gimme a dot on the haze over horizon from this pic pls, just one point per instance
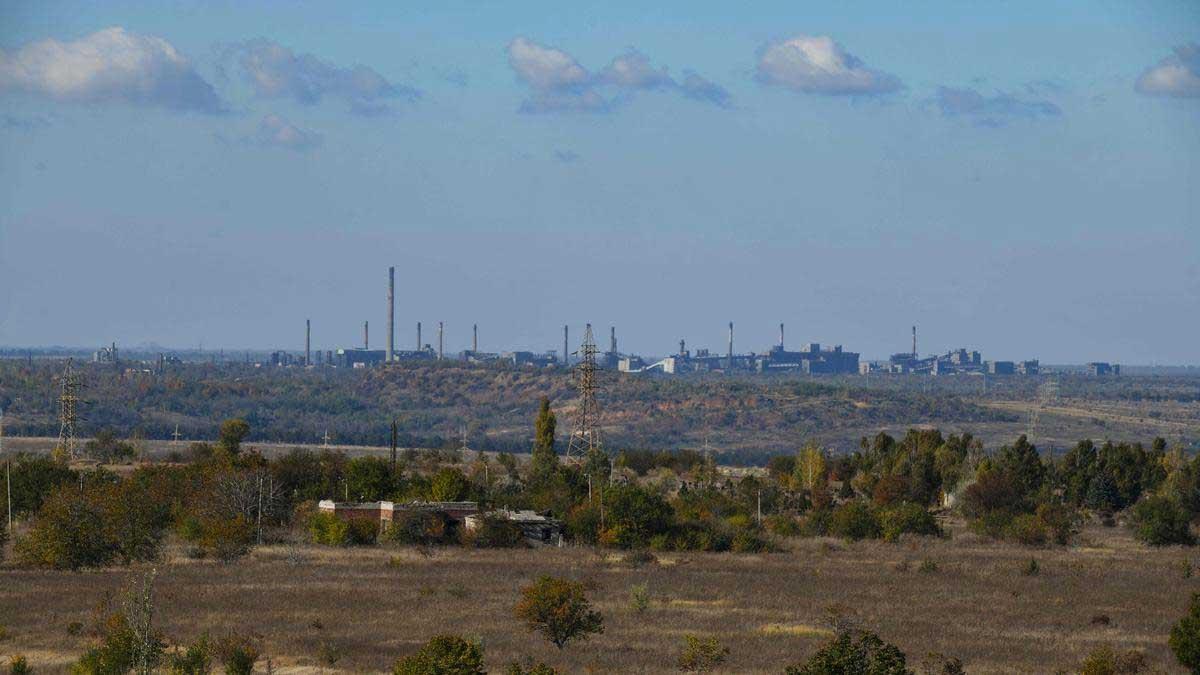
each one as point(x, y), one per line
point(1021, 180)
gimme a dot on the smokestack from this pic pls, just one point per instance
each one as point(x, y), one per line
point(566, 354)
point(474, 338)
point(391, 346)
point(441, 332)
point(419, 345)
point(307, 341)
point(914, 342)
point(780, 337)
point(612, 340)
point(366, 335)
point(731, 345)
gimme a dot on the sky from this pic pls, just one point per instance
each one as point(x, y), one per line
point(1021, 178)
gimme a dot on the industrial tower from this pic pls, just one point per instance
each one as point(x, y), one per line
point(68, 403)
point(585, 437)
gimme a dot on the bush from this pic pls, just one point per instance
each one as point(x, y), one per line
point(17, 665)
point(1159, 521)
point(238, 653)
point(420, 528)
point(362, 531)
point(223, 538)
point(1061, 521)
point(854, 652)
point(328, 530)
point(783, 525)
point(854, 521)
point(195, 660)
point(701, 655)
point(493, 532)
point(1027, 529)
point(1185, 636)
point(559, 610)
point(443, 655)
point(639, 597)
point(1031, 568)
point(908, 518)
point(1108, 661)
point(530, 668)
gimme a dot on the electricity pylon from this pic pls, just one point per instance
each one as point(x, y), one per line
point(68, 413)
point(585, 437)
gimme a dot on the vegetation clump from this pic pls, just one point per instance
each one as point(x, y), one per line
point(559, 610)
point(854, 651)
point(443, 655)
point(701, 655)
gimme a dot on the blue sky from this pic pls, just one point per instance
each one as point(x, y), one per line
point(1020, 178)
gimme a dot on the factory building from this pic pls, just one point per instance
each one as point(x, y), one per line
point(811, 359)
point(1102, 369)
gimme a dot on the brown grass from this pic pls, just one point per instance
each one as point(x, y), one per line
point(377, 604)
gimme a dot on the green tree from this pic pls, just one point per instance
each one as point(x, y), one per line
point(700, 655)
point(1159, 521)
point(559, 610)
point(544, 459)
point(443, 655)
point(233, 432)
point(1185, 637)
point(69, 532)
point(854, 653)
point(810, 466)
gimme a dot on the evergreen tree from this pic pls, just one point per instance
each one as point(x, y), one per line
point(544, 459)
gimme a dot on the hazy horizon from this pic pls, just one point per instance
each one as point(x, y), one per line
point(1017, 180)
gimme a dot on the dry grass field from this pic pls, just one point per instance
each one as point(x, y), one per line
point(376, 604)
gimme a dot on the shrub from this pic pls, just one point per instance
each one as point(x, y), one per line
point(223, 538)
point(748, 540)
point(1061, 521)
point(1027, 529)
point(1107, 661)
point(494, 532)
point(69, 532)
point(328, 530)
point(443, 655)
point(639, 597)
point(783, 525)
point(238, 653)
point(17, 665)
point(1031, 568)
point(854, 521)
point(420, 528)
point(559, 610)
point(928, 566)
point(854, 651)
point(907, 518)
point(701, 655)
point(993, 524)
point(530, 668)
point(940, 664)
point(1185, 636)
point(195, 660)
point(362, 531)
point(1159, 521)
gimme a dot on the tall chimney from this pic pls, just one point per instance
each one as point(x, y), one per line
point(474, 338)
point(566, 354)
point(612, 340)
point(731, 345)
point(419, 345)
point(307, 341)
point(441, 332)
point(682, 347)
point(366, 335)
point(391, 346)
point(914, 342)
point(780, 337)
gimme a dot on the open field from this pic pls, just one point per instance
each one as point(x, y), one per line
point(769, 609)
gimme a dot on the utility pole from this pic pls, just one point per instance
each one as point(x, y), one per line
point(394, 438)
point(7, 472)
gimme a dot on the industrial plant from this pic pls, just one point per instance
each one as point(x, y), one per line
point(810, 359)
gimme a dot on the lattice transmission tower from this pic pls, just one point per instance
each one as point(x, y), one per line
point(585, 437)
point(68, 412)
point(1047, 395)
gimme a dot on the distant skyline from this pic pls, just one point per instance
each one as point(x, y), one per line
point(1019, 178)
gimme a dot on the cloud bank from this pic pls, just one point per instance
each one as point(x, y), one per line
point(109, 66)
point(991, 111)
point(1176, 76)
point(818, 65)
point(274, 71)
point(558, 83)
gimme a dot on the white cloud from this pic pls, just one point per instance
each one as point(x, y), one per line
point(633, 70)
point(558, 83)
point(818, 65)
point(274, 71)
point(1178, 75)
point(274, 131)
point(109, 66)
